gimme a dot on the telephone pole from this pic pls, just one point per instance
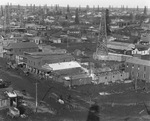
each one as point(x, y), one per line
point(36, 103)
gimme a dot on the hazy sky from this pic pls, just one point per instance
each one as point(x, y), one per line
point(76, 3)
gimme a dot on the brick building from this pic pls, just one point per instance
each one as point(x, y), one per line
point(138, 68)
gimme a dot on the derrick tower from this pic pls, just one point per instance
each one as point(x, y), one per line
point(6, 15)
point(101, 49)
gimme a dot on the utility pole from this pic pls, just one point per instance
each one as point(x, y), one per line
point(36, 104)
point(135, 84)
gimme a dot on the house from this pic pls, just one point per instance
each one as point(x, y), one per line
point(4, 100)
point(138, 68)
point(8, 98)
point(141, 49)
point(145, 39)
point(4, 43)
point(55, 40)
point(37, 40)
point(15, 49)
point(146, 26)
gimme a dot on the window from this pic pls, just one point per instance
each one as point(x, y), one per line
point(144, 75)
point(132, 73)
point(137, 74)
point(138, 67)
point(144, 68)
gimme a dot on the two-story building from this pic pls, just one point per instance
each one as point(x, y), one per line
point(138, 69)
point(15, 49)
point(34, 61)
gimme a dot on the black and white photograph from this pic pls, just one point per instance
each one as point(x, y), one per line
point(74, 60)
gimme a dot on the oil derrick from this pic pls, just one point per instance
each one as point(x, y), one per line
point(18, 9)
point(6, 16)
point(137, 9)
point(77, 17)
point(87, 8)
point(79, 8)
point(2, 11)
point(98, 8)
point(145, 10)
point(31, 8)
point(34, 8)
point(68, 9)
point(101, 49)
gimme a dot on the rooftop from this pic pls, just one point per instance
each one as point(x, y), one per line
point(62, 65)
point(22, 45)
point(138, 61)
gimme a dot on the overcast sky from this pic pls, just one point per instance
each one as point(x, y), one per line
point(76, 3)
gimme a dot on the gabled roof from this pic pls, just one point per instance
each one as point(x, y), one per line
point(22, 45)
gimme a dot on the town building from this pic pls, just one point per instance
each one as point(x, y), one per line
point(145, 39)
point(112, 76)
point(120, 46)
point(35, 61)
point(138, 69)
point(4, 101)
point(15, 49)
point(8, 98)
point(141, 49)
